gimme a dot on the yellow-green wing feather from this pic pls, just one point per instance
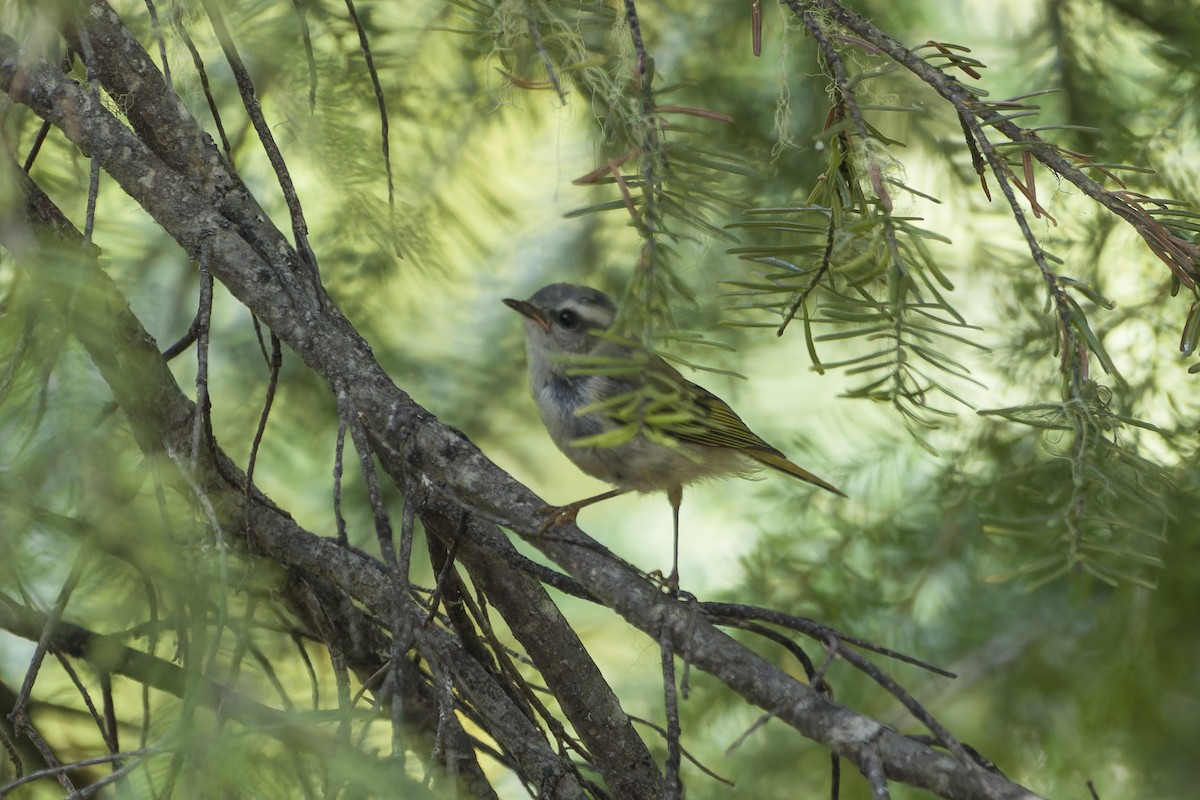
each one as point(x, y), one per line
point(715, 424)
point(774, 459)
point(719, 425)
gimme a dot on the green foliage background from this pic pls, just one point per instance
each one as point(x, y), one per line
point(958, 550)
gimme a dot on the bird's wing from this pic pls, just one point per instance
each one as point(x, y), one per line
point(715, 424)
point(711, 421)
point(719, 425)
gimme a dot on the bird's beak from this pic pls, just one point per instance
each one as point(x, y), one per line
point(529, 310)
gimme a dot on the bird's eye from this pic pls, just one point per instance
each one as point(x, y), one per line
point(568, 319)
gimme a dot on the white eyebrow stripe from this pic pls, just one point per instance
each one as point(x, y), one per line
point(591, 314)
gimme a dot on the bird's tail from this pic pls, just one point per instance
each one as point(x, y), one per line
point(780, 463)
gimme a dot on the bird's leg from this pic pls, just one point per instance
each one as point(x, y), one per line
point(675, 496)
point(559, 515)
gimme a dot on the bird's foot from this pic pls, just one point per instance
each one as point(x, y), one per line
point(556, 515)
point(669, 585)
point(561, 515)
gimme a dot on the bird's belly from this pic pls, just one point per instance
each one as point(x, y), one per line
point(645, 466)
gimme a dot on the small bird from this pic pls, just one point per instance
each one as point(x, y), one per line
point(663, 431)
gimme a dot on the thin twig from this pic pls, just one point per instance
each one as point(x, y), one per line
point(383, 523)
point(89, 62)
point(36, 147)
point(185, 341)
point(365, 46)
point(730, 613)
point(19, 715)
point(55, 771)
point(202, 422)
point(408, 515)
point(89, 704)
point(162, 45)
point(14, 758)
point(202, 73)
point(398, 673)
point(306, 37)
point(909, 702)
point(762, 720)
point(672, 787)
point(111, 732)
point(540, 46)
point(826, 261)
point(254, 111)
point(338, 470)
point(445, 575)
point(661, 731)
point(274, 365)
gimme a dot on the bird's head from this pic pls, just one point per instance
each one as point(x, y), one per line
point(560, 318)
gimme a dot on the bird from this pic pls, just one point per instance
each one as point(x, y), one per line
point(626, 416)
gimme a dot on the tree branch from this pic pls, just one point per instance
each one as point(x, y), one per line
point(1180, 256)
